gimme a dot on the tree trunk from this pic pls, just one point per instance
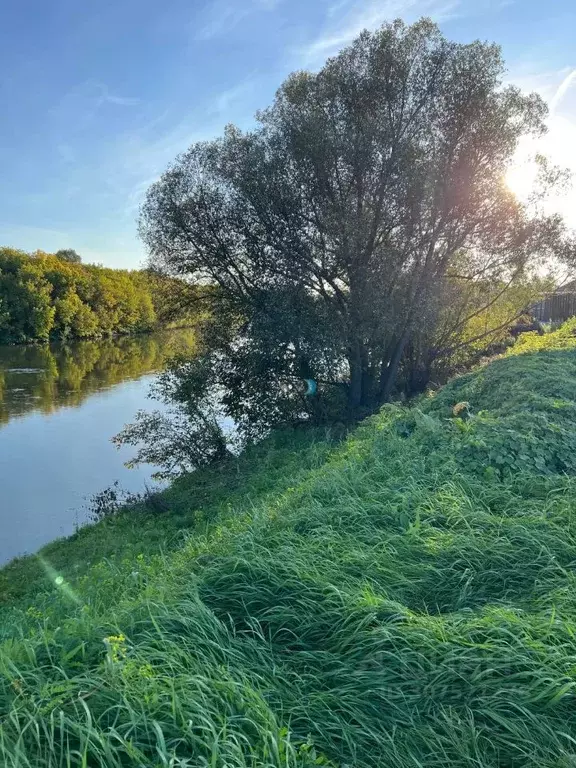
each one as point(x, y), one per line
point(358, 355)
point(356, 377)
point(419, 379)
point(367, 380)
point(390, 373)
point(418, 365)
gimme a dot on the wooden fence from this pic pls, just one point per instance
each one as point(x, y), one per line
point(555, 308)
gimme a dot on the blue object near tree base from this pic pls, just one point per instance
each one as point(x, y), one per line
point(312, 387)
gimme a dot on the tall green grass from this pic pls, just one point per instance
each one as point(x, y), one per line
point(405, 598)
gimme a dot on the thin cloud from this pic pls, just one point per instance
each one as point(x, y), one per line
point(141, 158)
point(543, 81)
point(224, 15)
point(562, 90)
point(225, 101)
point(369, 14)
point(223, 18)
point(80, 106)
point(107, 97)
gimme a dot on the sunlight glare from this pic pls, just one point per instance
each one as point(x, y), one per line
point(521, 177)
point(559, 146)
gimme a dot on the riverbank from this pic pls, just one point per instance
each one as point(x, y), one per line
point(143, 533)
point(46, 343)
point(402, 598)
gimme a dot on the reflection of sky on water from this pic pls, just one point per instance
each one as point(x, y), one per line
point(50, 464)
point(59, 407)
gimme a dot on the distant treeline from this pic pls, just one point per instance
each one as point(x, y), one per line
point(44, 296)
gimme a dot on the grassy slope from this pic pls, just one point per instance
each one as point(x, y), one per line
point(194, 502)
point(404, 599)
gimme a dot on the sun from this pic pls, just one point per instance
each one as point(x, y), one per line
point(521, 177)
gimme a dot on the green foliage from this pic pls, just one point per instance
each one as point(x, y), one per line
point(527, 430)
point(25, 298)
point(490, 308)
point(46, 296)
point(68, 254)
point(397, 599)
point(362, 231)
point(563, 337)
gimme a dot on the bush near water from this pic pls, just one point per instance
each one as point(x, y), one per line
point(404, 597)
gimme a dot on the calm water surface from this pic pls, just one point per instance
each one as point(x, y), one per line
point(59, 407)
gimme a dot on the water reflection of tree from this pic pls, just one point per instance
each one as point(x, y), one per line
point(46, 378)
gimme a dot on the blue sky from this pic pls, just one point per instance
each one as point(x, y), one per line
point(98, 97)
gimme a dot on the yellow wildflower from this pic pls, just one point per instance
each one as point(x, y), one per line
point(116, 647)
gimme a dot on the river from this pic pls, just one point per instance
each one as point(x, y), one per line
point(59, 407)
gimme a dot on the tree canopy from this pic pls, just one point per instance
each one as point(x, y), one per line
point(44, 296)
point(361, 228)
point(68, 254)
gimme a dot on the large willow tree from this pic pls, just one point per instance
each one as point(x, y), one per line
point(334, 231)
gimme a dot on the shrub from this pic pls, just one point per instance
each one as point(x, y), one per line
point(563, 337)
